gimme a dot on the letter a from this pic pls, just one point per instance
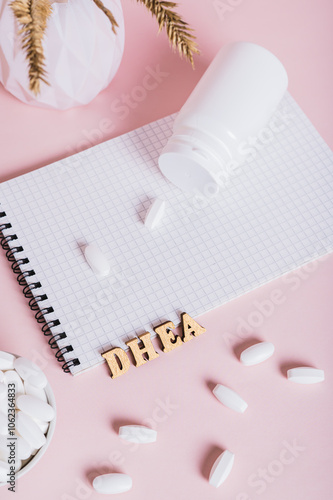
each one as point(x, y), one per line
point(190, 327)
point(117, 360)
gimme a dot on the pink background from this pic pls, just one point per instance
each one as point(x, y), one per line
point(196, 427)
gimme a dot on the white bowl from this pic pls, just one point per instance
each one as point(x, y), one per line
point(35, 459)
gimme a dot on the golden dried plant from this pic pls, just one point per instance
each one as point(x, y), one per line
point(32, 15)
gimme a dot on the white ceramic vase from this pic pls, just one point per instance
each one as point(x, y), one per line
point(82, 53)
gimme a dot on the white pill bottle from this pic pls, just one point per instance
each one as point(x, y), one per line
point(234, 100)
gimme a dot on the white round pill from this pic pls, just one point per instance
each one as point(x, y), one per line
point(97, 260)
point(6, 361)
point(30, 372)
point(257, 353)
point(221, 468)
point(230, 398)
point(155, 214)
point(137, 434)
point(35, 408)
point(110, 484)
point(29, 430)
point(306, 375)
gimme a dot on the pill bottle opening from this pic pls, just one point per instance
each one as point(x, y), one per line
point(189, 174)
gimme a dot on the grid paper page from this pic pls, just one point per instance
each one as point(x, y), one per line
point(270, 218)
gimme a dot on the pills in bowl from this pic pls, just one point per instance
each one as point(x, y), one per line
point(23, 395)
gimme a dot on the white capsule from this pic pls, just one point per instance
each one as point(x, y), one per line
point(137, 434)
point(112, 483)
point(42, 425)
point(29, 430)
point(4, 469)
point(30, 372)
point(35, 408)
point(34, 391)
point(12, 377)
point(6, 361)
point(23, 448)
point(306, 375)
point(3, 391)
point(257, 353)
point(3, 424)
point(230, 398)
point(221, 468)
point(155, 214)
point(97, 260)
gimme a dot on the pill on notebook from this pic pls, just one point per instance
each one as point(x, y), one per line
point(257, 353)
point(137, 434)
point(12, 377)
point(6, 361)
point(30, 372)
point(35, 408)
point(306, 375)
point(155, 213)
point(97, 260)
point(112, 483)
point(29, 430)
point(221, 468)
point(230, 398)
point(34, 391)
point(23, 448)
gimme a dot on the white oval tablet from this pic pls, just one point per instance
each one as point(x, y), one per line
point(29, 430)
point(3, 391)
point(155, 213)
point(137, 434)
point(6, 361)
point(221, 468)
point(97, 260)
point(306, 375)
point(12, 377)
point(257, 353)
point(42, 425)
point(230, 398)
point(35, 408)
point(34, 391)
point(23, 448)
point(3, 424)
point(30, 372)
point(112, 483)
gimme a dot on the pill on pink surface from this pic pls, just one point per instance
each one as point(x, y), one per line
point(257, 353)
point(221, 468)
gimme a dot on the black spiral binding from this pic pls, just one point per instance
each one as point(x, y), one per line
point(35, 301)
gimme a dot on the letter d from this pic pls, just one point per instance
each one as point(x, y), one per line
point(118, 361)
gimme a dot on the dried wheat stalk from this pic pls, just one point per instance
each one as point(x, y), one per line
point(33, 15)
point(178, 31)
point(108, 13)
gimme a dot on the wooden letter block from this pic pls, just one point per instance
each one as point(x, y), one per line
point(139, 352)
point(190, 328)
point(118, 361)
point(168, 339)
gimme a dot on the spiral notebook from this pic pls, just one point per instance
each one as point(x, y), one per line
point(272, 216)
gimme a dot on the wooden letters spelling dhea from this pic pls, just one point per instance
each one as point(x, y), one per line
point(119, 361)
